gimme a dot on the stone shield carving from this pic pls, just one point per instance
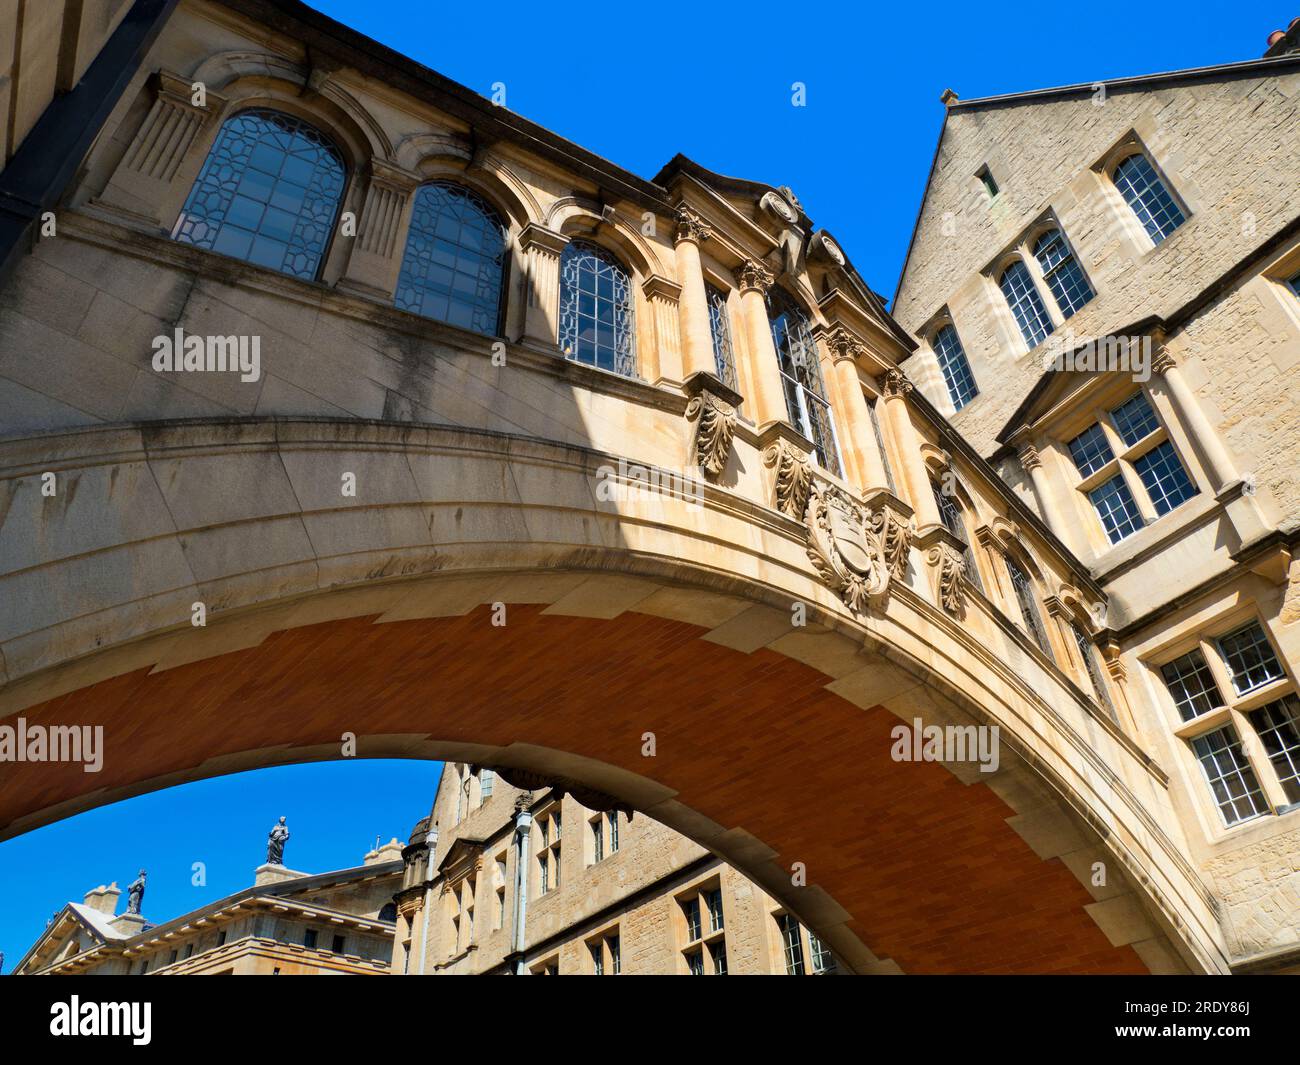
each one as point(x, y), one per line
point(856, 550)
point(717, 425)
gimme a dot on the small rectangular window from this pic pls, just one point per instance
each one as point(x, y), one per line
point(615, 954)
point(1231, 779)
point(1250, 658)
point(986, 178)
point(1165, 479)
point(823, 961)
point(612, 818)
point(691, 911)
point(338, 945)
point(1134, 419)
point(309, 939)
point(713, 899)
point(1192, 685)
point(597, 958)
point(720, 329)
point(695, 962)
point(718, 954)
point(791, 944)
point(1091, 450)
point(1278, 725)
point(1116, 508)
point(597, 840)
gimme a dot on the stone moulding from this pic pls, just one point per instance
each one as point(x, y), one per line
point(793, 477)
point(713, 408)
point(856, 550)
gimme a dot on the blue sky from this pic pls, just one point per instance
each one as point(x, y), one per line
point(638, 84)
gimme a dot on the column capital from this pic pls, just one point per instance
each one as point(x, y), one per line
point(656, 286)
point(753, 275)
point(842, 343)
point(1029, 458)
point(393, 177)
point(538, 236)
point(1164, 359)
point(688, 225)
point(896, 384)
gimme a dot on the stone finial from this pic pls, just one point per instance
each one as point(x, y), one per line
point(104, 899)
point(948, 96)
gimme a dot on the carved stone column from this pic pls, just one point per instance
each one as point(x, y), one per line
point(542, 249)
point(697, 338)
point(1218, 463)
point(768, 402)
point(141, 187)
point(1032, 463)
point(661, 361)
point(857, 436)
point(916, 477)
point(376, 258)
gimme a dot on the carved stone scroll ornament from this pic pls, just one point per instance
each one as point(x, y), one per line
point(793, 477)
point(952, 571)
point(713, 434)
point(847, 545)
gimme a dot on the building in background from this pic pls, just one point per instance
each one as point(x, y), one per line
point(1105, 283)
point(287, 923)
point(500, 880)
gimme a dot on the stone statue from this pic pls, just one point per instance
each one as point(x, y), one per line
point(135, 893)
point(275, 847)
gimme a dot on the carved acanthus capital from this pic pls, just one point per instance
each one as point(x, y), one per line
point(896, 384)
point(690, 226)
point(714, 431)
point(1028, 455)
point(951, 567)
point(843, 344)
point(1164, 360)
point(793, 477)
point(857, 551)
point(754, 275)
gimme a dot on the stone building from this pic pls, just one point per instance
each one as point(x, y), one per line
point(1105, 283)
point(287, 923)
point(336, 400)
point(535, 882)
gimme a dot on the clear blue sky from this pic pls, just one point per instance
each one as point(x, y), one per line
point(638, 84)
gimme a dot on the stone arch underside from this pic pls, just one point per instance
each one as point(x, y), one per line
point(373, 616)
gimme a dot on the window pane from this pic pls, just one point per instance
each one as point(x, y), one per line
point(1192, 685)
point(1250, 658)
point(1278, 725)
point(1064, 275)
point(792, 944)
point(1091, 450)
point(805, 394)
point(950, 515)
point(954, 366)
point(267, 193)
point(720, 329)
point(718, 952)
point(1166, 481)
point(1232, 781)
point(1027, 599)
point(1147, 195)
point(691, 911)
point(455, 259)
point(597, 321)
point(1025, 303)
point(1115, 507)
point(714, 901)
point(1134, 419)
point(822, 959)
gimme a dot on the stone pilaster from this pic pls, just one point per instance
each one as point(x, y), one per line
point(661, 362)
point(377, 251)
point(696, 335)
point(916, 477)
point(542, 249)
point(857, 437)
point(141, 187)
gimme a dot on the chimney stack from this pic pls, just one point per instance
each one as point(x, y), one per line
point(104, 899)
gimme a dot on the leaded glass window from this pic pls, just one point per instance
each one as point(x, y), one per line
point(1231, 779)
point(268, 193)
point(1090, 665)
point(1165, 479)
point(1192, 685)
point(597, 318)
point(1250, 658)
point(1148, 196)
point(455, 256)
point(1024, 589)
point(720, 329)
point(718, 952)
point(801, 375)
point(1278, 725)
point(954, 367)
point(1025, 303)
point(1116, 508)
point(1064, 275)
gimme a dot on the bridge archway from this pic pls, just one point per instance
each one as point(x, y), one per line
point(374, 615)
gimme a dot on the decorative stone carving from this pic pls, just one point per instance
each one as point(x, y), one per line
point(951, 573)
point(793, 477)
point(276, 839)
point(713, 434)
point(790, 197)
point(135, 893)
point(824, 247)
point(855, 550)
point(776, 204)
point(896, 383)
point(1163, 361)
point(690, 226)
point(1029, 459)
point(754, 275)
point(843, 344)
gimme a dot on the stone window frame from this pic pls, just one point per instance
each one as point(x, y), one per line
point(1120, 213)
point(1233, 714)
point(806, 938)
point(1123, 457)
point(1003, 540)
point(699, 946)
point(928, 334)
point(547, 851)
point(607, 946)
point(939, 465)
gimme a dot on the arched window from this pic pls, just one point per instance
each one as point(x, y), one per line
point(597, 320)
point(1065, 277)
point(455, 256)
point(1027, 599)
point(801, 375)
point(1148, 196)
point(950, 515)
point(720, 330)
point(1025, 303)
point(268, 193)
point(954, 366)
